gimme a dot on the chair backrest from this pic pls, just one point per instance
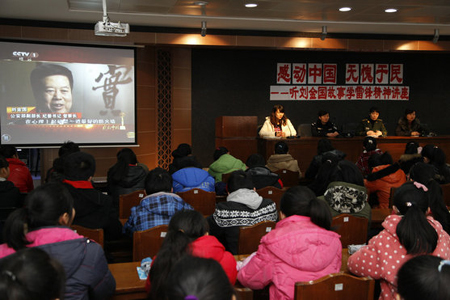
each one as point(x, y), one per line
point(271, 193)
point(200, 200)
point(304, 130)
point(226, 176)
point(446, 193)
point(391, 196)
point(250, 236)
point(147, 243)
point(126, 202)
point(353, 230)
point(336, 286)
point(96, 235)
point(289, 178)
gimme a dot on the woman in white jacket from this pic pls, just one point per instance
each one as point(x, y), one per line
point(277, 125)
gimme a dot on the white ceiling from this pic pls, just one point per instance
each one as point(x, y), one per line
point(414, 17)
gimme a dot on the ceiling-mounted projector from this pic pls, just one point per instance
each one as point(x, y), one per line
point(107, 28)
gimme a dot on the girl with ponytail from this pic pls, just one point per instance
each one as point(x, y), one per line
point(407, 234)
point(300, 248)
point(187, 235)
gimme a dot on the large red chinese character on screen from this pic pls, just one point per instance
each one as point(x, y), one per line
point(352, 73)
point(367, 74)
point(381, 73)
point(396, 74)
point(314, 73)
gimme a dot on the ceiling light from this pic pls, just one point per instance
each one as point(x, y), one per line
point(201, 3)
point(390, 10)
point(343, 9)
point(251, 5)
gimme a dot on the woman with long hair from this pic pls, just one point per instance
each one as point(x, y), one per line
point(277, 124)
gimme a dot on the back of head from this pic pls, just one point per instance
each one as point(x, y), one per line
point(424, 277)
point(68, 148)
point(43, 207)
point(219, 152)
point(79, 166)
point(239, 180)
point(411, 147)
point(346, 171)
point(158, 180)
point(182, 150)
point(414, 231)
point(190, 222)
point(427, 151)
point(370, 143)
point(3, 162)
point(200, 278)
point(126, 156)
point(281, 148)
point(324, 145)
point(300, 200)
point(8, 151)
point(255, 160)
point(31, 274)
point(380, 159)
point(422, 172)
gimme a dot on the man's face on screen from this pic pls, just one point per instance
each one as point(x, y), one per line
point(56, 95)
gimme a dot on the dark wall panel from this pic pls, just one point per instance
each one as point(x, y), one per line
point(237, 82)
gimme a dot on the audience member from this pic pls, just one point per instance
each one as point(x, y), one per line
point(94, 209)
point(323, 127)
point(370, 147)
point(434, 156)
point(198, 278)
point(187, 235)
point(31, 274)
point(324, 146)
point(385, 175)
point(408, 234)
point(190, 176)
point(224, 163)
point(9, 194)
point(424, 277)
point(125, 176)
point(346, 193)
point(47, 213)
point(55, 173)
point(411, 156)
point(19, 173)
point(158, 207)
point(244, 207)
point(409, 125)
point(424, 174)
point(261, 175)
point(372, 126)
point(300, 248)
point(182, 158)
point(283, 160)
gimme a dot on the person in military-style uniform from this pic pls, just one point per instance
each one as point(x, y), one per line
point(372, 126)
point(323, 127)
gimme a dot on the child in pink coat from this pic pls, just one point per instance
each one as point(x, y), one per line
point(300, 248)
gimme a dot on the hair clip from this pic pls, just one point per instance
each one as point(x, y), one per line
point(329, 161)
point(370, 141)
point(442, 263)
point(10, 275)
point(420, 186)
point(190, 297)
point(409, 204)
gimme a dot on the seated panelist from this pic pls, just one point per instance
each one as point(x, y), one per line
point(409, 125)
point(277, 124)
point(323, 127)
point(372, 126)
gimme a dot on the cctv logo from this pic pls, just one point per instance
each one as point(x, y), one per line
point(25, 55)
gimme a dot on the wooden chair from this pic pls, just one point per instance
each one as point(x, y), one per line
point(147, 243)
point(200, 200)
point(336, 286)
point(226, 176)
point(126, 202)
point(250, 236)
point(96, 235)
point(271, 193)
point(288, 177)
point(353, 230)
point(446, 193)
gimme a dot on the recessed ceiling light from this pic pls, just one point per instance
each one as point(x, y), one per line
point(390, 10)
point(345, 9)
point(251, 5)
point(201, 3)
